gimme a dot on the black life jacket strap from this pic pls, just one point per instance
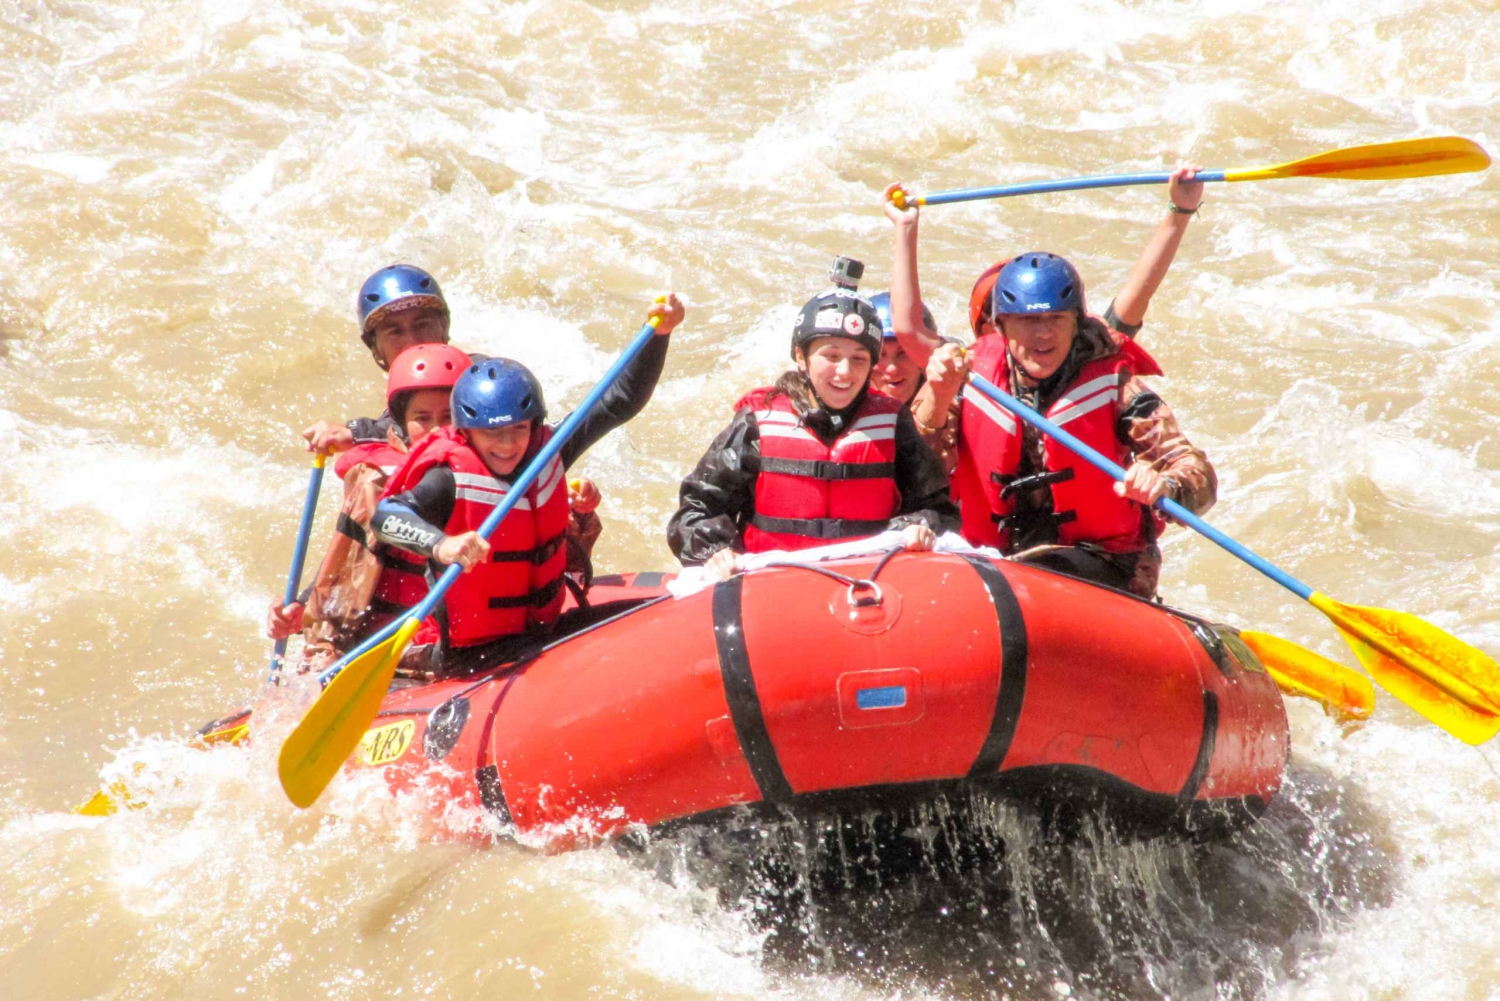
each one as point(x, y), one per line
point(823, 470)
point(819, 528)
point(536, 556)
point(1016, 484)
point(539, 598)
point(1029, 518)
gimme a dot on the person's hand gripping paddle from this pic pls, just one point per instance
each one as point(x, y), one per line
point(356, 685)
point(1453, 684)
point(1389, 161)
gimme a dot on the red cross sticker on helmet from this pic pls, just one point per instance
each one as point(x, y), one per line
point(854, 324)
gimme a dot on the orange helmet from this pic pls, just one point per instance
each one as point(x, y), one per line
point(979, 299)
point(422, 366)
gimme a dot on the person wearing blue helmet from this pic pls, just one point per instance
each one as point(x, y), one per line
point(398, 306)
point(1019, 490)
point(511, 591)
point(401, 305)
point(931, 394)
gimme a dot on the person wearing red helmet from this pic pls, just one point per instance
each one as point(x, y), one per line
point(1019, 490)
point(357, 583)
point(510, 596)
point(359, 586)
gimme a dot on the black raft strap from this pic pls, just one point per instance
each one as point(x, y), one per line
point(821, 470)
point(819, 528)
point(536, 599)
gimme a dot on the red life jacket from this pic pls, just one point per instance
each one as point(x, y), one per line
point(519, 586)
point(1084, 503)
point(379, 454)
point(808, 492)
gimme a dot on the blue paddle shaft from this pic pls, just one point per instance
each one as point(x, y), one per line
point(1063, 184)
point(1165, 504)
point(299, 556)
point(512, 497)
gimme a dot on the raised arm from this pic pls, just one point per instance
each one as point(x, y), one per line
point(1145, 278)
point(906, 293)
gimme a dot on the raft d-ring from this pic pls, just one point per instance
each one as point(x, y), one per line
point(869, 601)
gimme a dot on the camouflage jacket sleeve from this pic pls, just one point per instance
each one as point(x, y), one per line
point(943, 437)
point(1149, 428)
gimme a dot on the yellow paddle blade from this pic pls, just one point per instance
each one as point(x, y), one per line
point(333, 727)
point(1451, 683)
point(1345, 693)
point(1379, 161)
point(105, 802)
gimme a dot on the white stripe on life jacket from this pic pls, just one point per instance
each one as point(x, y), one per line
point(479, 481)
point(1078, 394)
point(770, 430)
point(490, 490)
point(549, 480)
point(1101, 399)
point(987, 407)
point(874, 421)
point(488, 498)
point(869, 434)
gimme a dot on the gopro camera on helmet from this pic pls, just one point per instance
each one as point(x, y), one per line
point(846, 272)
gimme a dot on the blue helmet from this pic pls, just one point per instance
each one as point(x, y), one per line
point(882, 303)
point(1037, 283)
point(399, 283)
point(496, 392)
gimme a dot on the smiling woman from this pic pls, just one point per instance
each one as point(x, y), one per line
point(195, 189)
point(816, 457)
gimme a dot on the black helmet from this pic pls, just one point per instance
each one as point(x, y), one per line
point(839, 312)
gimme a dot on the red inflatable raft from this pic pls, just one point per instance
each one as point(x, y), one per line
point(786, 684)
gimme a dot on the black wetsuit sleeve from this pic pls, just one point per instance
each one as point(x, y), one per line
point(626, 397)
point(717, 499)
point(1113, 321)
point(411, 519)
point(370, 428)
point(922, 481)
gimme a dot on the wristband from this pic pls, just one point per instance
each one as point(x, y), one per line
point(1176, 209)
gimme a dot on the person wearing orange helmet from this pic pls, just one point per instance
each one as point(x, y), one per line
point(357, 582)
point(360, 585)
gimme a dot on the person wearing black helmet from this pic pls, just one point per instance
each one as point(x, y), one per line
point(816, 458)
point(1019, 490)
point(511, 592)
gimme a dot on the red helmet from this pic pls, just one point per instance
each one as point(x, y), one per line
point(979, 299)
point(422, 366)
